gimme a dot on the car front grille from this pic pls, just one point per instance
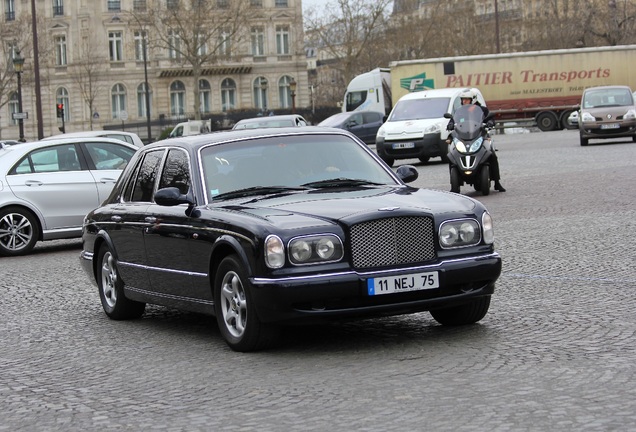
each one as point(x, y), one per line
point(392, 241)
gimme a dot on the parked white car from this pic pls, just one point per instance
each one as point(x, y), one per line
point(48, 186)
point(129, 137)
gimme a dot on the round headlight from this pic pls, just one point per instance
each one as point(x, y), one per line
point(467, 232)
point(274, 252)
point(300, 250)
point(448, 235)
point(325, 248)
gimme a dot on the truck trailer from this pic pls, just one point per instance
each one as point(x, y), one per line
point(540, 87)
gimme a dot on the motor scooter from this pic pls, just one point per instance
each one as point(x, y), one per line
point(470, 148)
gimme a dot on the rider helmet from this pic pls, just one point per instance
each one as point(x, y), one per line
point(468, 94)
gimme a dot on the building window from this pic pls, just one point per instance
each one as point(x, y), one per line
point(114, 5)
point(256, 3)
point(284, 92)
point(60, 50)
point(280, 3)
point(228, 94)
point(172, 4)
point(202, 48)
point(177, 99)
point(14, 107)
point(222, 3)
point(225, 47)
point(174, 45)
point(9, 10)
point(282, 40)
point(115, 43)
point(204, 96)
point(141, 100)
point(258, 41)
point(118, 99)
point(58, 7)
point(61, 97)
point(139, 5)
point(140, 36)
point(260, 93)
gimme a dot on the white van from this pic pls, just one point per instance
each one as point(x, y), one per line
point(129, 137)
point(191, 127)
point(416, 127)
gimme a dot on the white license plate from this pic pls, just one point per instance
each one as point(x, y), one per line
point(402, 283)
point(404, 145)
point(610, 126)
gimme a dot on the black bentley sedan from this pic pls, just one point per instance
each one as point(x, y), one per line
point(264, 228)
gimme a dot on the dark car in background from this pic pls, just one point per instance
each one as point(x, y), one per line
point(363, 124)
point(272, 121)
point(281, 226)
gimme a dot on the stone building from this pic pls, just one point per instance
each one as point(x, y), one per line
point(91, 60)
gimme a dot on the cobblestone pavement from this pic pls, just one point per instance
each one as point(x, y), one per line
point(555, 352)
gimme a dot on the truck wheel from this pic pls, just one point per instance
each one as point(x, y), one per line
point(584, 141)
point(484, 180)
point(547, 121)
point(454, 179)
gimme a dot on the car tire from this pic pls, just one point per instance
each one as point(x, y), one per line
point(389, 161)
point(484, 180)
point(633, 138)
point(547, 121)
point(19, 231)
point(468, 313)
point(424, 160)
point(454, 179)
point(236, 312)
point(111, 289)
point(584, 141)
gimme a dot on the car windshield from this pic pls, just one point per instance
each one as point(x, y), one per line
point(334, 120)
point(289, 163)
point(607, 98)
point(417, 109)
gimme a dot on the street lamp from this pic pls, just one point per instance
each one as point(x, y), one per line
point(292, 88)
point(18, 64)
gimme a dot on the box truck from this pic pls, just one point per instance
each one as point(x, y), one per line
point(542, 87)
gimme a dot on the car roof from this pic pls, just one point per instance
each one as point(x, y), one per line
point(609, 87)
point(96, 133)
point(435, 93)
point(194, 141)
point(270, 118)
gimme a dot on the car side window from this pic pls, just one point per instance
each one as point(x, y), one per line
point(176, 171)
point(370, 117)
point(146, 175)
point(108, 156)
point(51, 159)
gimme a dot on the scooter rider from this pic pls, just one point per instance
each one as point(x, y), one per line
point(469, 97)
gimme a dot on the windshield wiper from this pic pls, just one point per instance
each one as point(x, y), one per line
point(339, 182)
point(256, 190)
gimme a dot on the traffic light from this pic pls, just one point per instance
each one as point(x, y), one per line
point(60, 110)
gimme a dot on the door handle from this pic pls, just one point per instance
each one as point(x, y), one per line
point(33, 183)
point(150, 219)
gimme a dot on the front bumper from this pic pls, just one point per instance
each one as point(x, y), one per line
point(430, 145)
point(344, 295)
point(596, 130)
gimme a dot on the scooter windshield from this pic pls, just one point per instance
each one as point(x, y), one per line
point(468, 122)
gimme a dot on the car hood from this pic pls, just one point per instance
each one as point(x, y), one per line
point(326, 207)
point(413, 128)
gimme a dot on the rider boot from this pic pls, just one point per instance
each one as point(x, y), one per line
point(499, 187)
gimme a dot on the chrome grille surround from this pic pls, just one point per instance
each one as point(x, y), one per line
point(392, 241)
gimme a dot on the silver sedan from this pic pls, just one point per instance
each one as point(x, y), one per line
point(47, 187)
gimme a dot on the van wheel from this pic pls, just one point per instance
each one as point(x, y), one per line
point(389, 161)
point(584, 141)
point(424, 159)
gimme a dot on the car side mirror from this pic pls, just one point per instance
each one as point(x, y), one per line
point(172, 196)
point(448, 115)
point(407, 173)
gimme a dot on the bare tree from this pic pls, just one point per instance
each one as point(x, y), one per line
point(87, 71)
point(614, 22)
point(197, 33)
point(348, 31)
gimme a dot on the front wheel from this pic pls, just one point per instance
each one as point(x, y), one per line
point(111, 289)
point(235, 310)
point(454, 179)
point(468, 313)
point(424, 159)
point(484, 180)
point(19, 231)
point(389, 161)
point(584, 141)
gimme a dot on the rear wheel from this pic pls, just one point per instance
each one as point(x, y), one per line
point(468, 313)
point(19, 231)
point(235, 310)
point(484, 180)
point(547, 121)
point(111, 289)
point(454, 179)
